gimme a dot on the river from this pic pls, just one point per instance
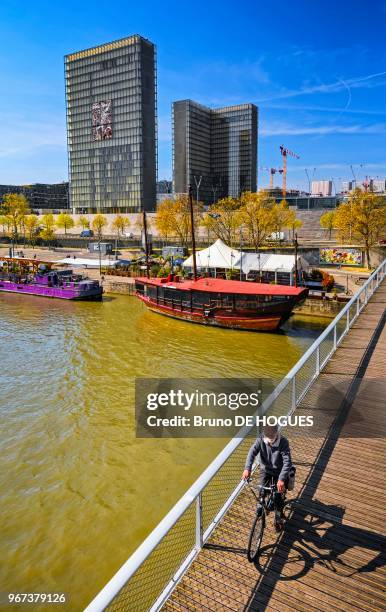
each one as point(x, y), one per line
point(78, 491)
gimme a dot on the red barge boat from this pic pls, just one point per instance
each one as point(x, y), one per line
point(223, 303)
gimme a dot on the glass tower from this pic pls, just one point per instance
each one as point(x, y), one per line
point(215, 148)
point(111, 127)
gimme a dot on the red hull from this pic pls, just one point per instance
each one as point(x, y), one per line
point(263, 322)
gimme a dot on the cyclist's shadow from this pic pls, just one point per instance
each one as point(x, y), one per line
point(315, 534)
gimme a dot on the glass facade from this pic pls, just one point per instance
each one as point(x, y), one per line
point(111, 127)
point(219, 145)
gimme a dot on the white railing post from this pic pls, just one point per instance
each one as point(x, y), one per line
point(293, 402)
point(347, 320)
point(199, 531)
point(318, 359)
point(335, 338)
point(358, 300)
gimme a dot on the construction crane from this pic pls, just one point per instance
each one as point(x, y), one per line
point(272, 172)
point(284, 153)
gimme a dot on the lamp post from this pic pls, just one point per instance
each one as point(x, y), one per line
point(198, 183)
point(296, 259)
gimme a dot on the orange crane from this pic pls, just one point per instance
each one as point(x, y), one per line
point(284, 153)
point(272, 172)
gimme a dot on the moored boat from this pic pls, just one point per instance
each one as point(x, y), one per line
point(223, 303)
point(34, 277)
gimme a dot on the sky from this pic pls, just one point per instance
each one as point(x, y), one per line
point(316, 70)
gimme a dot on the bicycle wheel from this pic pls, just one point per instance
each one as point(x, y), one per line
point(255, 537)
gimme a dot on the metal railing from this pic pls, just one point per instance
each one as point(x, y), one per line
point(149, 576)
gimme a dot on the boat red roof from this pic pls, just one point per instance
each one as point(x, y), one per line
point(218, 285)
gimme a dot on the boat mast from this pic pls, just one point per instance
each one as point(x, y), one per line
point(146, 244)
point(296, 259)
point(192, 230)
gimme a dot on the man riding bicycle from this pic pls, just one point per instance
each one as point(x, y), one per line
point(274, 457)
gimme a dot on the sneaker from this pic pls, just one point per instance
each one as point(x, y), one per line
point(259, 510)
point(279, 521)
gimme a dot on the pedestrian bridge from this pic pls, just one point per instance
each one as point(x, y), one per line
point(331, 553)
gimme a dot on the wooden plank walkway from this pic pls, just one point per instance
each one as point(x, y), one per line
point(331, 554)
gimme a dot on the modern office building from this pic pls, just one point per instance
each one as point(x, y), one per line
point(321, 188)
point(111, 126)
point(41, 196)
point(214, 150)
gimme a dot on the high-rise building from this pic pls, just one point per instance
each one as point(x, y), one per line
point(111, 126)
point(214, 150)
point(322, 188)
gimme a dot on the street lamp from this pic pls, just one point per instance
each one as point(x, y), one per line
point(198, 183)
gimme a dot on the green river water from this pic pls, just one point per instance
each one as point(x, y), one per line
point(78, 491)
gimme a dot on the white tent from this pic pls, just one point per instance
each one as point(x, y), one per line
point(218, 255)
point(273, 266)
point(271, 262)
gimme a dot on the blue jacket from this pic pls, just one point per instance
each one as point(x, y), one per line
point(273, 459)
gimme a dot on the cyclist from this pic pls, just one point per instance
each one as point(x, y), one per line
point(274, 457)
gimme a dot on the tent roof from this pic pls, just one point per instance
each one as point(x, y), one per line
point(220, 255)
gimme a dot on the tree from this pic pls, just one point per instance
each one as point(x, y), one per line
point(65, 221)
point(164, 219)
point(280, 217)
point(173, 219)
point(365, 216)
point(48, 223)
point(224, 220)
point(31, 223)
point(327, 222)
point(256, 215)
point(6, 223)
point(15, 207)
point(293, 223)
point(119, 224)
point(98, 223)
point(84, 222)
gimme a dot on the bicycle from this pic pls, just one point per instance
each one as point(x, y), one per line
point(267, 505)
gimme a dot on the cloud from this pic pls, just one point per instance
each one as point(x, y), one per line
point(339, 85)
point(286, 129)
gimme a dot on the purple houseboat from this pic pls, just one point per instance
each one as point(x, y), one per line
point(33, 277)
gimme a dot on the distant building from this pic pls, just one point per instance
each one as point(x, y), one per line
point(378, 185)
point(348, 186)
point(214, 150)
point(41, 196)
point(321, 188)
point(164, 186)
point(111, 126)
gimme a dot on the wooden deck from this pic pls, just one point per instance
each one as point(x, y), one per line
point(332, 552)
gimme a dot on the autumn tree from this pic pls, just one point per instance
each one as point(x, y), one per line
point(15, 207)
point(48, 223)
point(256, 215)
point(119, 225)
point(224, 219)
point(293, 224)
point(99, 222)
point(365, 214)
point(327, 222)
point(31, 224)
point(164, 219)
point(65, 221)
point(84, 222)
point(280, 218)
point(173, 219)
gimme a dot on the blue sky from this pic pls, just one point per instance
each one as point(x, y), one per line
point(317, 71)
